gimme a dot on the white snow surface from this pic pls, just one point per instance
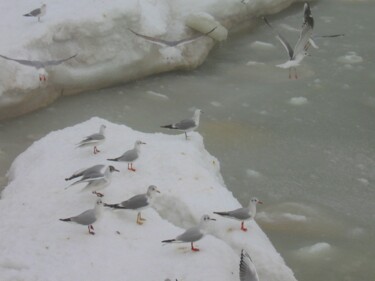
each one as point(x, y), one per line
point(35, 245)
point(108, 53)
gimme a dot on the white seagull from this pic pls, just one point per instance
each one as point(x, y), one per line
point(94, 139)
point(297, 54)
point(137, 203)
point(40, 12)
point(192, 234)
point(186, 125)
point(243, 214)
point(40, 65)
point(247, 268)
point(87, 217)
point(95, 177)
point(130, 156)
point(166, 43)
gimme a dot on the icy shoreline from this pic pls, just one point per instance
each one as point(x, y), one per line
point(108, 54)
point(37, 246)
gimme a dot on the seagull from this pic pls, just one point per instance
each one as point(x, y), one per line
point(138, 202)
point(186, 125)
point(40, 65)
point(40, 12)
point(94, 139)
point(297, 54)
point(95, 177)
point(87, 217)
point(165, 43)
point(130, 156)
point(242, 214)
point(192, 234)
point(247, 268)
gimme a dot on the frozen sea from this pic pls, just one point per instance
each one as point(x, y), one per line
point(302, 146)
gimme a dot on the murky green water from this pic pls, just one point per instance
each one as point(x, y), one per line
point(305, 147)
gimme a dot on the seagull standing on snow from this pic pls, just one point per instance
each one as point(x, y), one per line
point(137, 203)
point(297, 54)
point(40, 12)
point(192, 234)
point(242, 214)
point(94, 139)
point(39, 65)
point(166, 43)
point(88, 217)
point(247, 268)
point(130, 156)
point(95, 177)
point(186, 125)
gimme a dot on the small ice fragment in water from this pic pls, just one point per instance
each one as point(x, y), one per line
point(216, 104)
point(350, 57)
point(152, 93)
point(252, 173)
point(298, 101)
point(254, 63)
point(259, 45)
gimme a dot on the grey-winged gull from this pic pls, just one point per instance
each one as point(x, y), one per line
point(38, 13)
point(130, 156)
point(94, 139)
point(247, 268)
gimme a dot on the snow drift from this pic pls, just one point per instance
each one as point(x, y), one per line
point(35, 245)
point(108, 53)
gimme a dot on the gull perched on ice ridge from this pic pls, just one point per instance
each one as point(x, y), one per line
point(247, 268)
point(40, 12)
point(137, 203)
point(130, 156)
point(166, 43)
point(87, 217)
point(192, 234)
point(242, 214)
point(94, 139)
point(297, 54)
point(95, 177)
point(186, 125)
point(40, 65)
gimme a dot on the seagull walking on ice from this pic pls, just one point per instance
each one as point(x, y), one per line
point(297, 54)
point(40, 65)
point(242, 214)
point(247, 268)
point(137, 203)
point(95, 177)
point(87, 217)
point(166, 43)
point(130, 156)
point(192, 234)
point(186, 125)
point(40, 12)
point(94, 139)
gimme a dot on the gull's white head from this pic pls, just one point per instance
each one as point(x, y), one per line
point(43, 75)
point(205, 219)
point(138, 144)
point(152, 189)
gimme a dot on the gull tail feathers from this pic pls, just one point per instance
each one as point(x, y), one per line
point(68, 219)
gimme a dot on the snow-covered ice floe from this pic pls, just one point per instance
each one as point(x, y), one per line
point(108, 53)
point(36, 245)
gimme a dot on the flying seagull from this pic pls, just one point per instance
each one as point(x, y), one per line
point(297, 54)
point(138, 202)
point(94, 139)
point(40, 12)
point(87, 217)
point(40, 65)
point(192, 234)
point(242, 214)
point(166, 43)
point(247, 268)
point(95, 177)
point(186, 125)
point(130, 156)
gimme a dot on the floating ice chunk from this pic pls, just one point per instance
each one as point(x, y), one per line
point(259, 45)
point(294, 217)
point(155, 94)
point(204, 22)
point(254, 63)
point(318, 249)
point(252, 173)
point(216, 104)
point(298, 101)
point(363, 181)
point(357, 232)
point(350, 57)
